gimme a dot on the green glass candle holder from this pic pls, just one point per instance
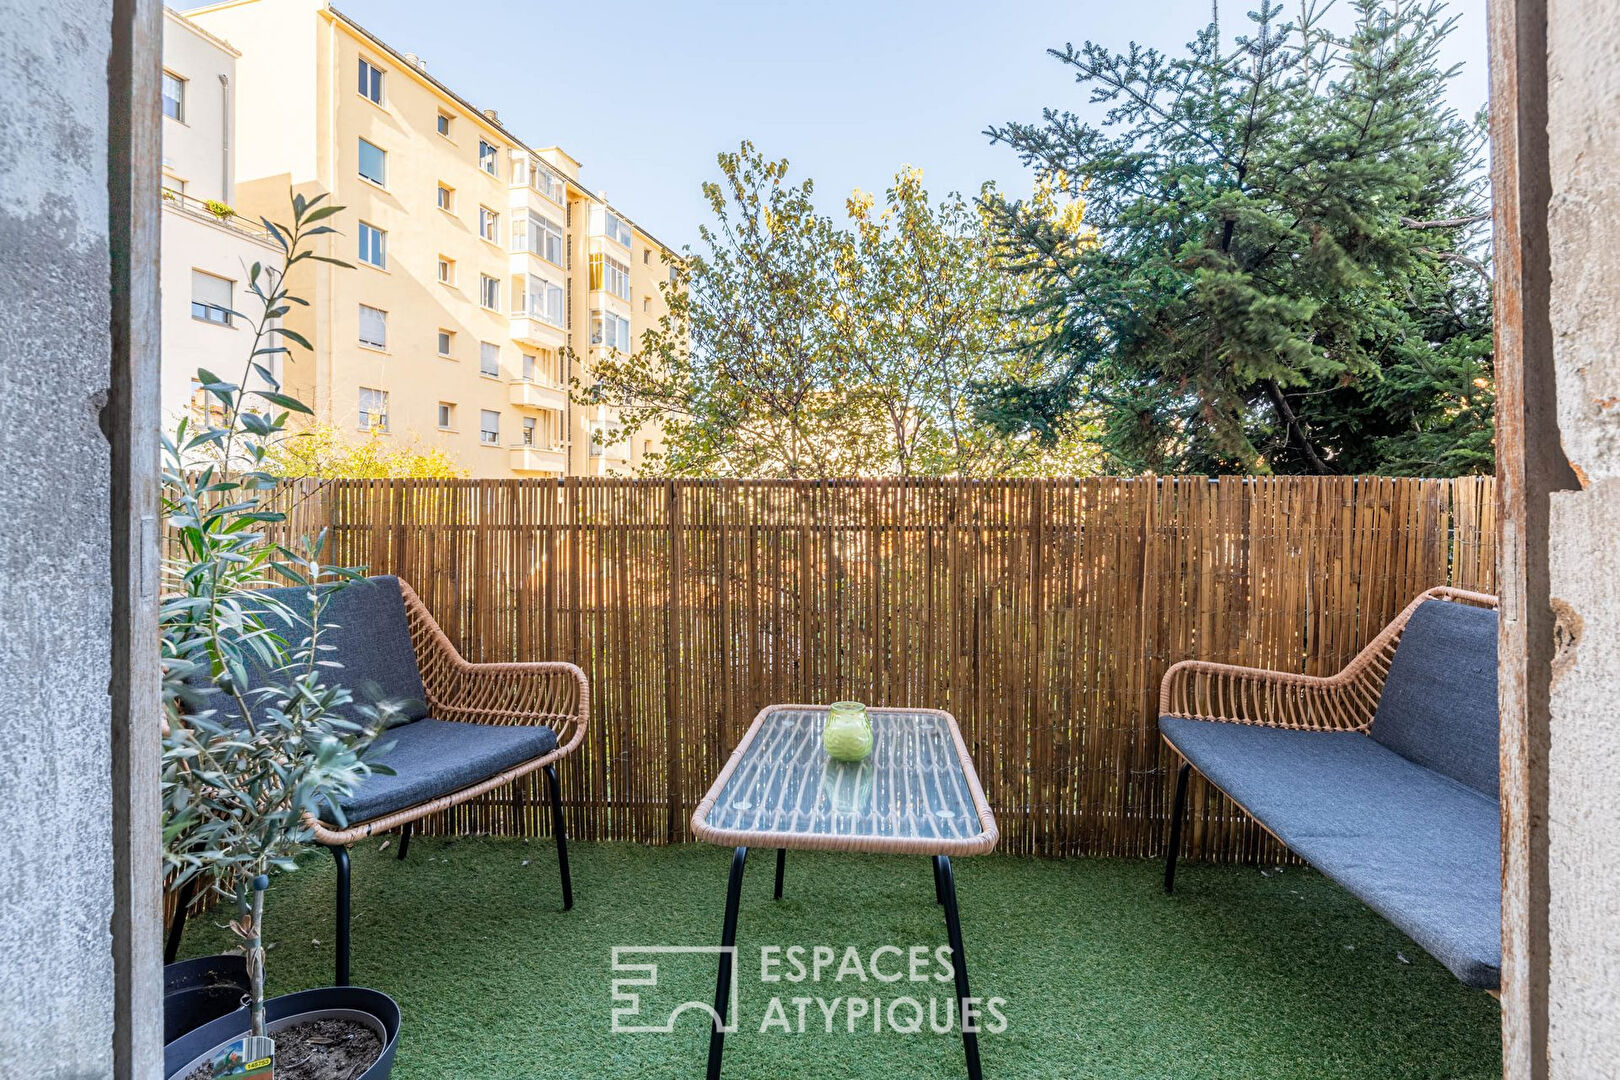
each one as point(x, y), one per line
point(847, 735)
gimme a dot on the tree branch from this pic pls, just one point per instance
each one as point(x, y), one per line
point(1287, 413)
point(1446, 223)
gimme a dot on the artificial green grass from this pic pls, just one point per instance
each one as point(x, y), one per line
point(1240, 974)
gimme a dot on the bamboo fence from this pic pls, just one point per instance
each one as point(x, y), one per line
point(1040, 613)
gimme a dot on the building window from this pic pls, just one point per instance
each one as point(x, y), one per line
point(444, 124)
point(610, 330)
point(447, 415)
point(174, 97)
point(546, 182)
point(373, 409)
point(489, 225)
point(597, 433)
point(374, 163)
point(487, 155)
point(447, 198)
point(646, 256)
point(373, 246)
point(489, 292)
point(370, 82)
point(528, 367)
point(605, 222)
point(538, 235)
point(528, 431)
point(373, 327)
point(646, 304)
point(540, 299)
point(211, 298)
point(489, 358)
point(447, 270)
point(489, 427)
point(446, 341)
point(172, 183)
point(610, 274)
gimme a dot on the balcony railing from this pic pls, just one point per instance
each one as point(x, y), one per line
point(547, 458)
point(202, 210)
point(538, 393)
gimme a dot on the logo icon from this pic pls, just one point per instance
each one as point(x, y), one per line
point(642, 978)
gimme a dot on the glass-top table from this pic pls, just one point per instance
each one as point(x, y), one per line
point(916, 794)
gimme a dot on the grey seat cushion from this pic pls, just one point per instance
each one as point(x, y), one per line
point(432, 757)
point(365, 623)
point(1438, 707)
point(1417, 846)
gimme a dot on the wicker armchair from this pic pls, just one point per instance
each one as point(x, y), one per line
point(1343, 702)
point(468, 729)
point(1384, 776)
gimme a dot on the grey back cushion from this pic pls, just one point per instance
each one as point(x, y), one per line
point(1439, 703)
point(365, 623)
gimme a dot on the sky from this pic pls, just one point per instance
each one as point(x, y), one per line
point(645, 93)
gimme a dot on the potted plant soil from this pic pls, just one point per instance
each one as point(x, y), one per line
point(260, 735)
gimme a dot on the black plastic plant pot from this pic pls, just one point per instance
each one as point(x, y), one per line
point(200, 990)
point(370, 1007)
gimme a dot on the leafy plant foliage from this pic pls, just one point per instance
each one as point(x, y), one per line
point(798, 346)
point(253, 736)
point(1284, 270)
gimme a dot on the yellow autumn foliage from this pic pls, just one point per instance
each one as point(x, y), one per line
point(327, 452)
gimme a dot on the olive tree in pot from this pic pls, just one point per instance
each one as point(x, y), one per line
point(257, 734)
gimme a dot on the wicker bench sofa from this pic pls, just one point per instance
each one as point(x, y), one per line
point(1384, 777)
point(464, 729)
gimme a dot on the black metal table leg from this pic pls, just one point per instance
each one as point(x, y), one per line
point(781, 864)
point(728, 944)
point(561, 832)
point(953, 930)
point(404, 840)
point(1178, 810)
point(340, 855)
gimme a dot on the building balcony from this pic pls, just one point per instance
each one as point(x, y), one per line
point(538, 459)
point(538, 394)
point(215, 213)
point(536, 331)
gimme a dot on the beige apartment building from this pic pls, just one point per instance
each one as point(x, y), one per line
point(486, 275)
point(207, 249)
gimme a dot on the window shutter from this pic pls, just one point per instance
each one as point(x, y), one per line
point(208, 289)
point(373, 326)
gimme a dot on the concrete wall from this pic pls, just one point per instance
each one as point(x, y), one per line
point(1583, 794)
point(56, 844)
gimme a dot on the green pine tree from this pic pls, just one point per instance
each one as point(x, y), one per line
point(1283, 266)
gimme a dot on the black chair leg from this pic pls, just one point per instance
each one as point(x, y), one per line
point(340, 855)
point(1178, 810)
point(781, 864)
point(561, 832)
point(171, 947)
point(939, 884)
point(404, 840)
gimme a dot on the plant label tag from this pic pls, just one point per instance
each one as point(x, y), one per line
point(252, 1057)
